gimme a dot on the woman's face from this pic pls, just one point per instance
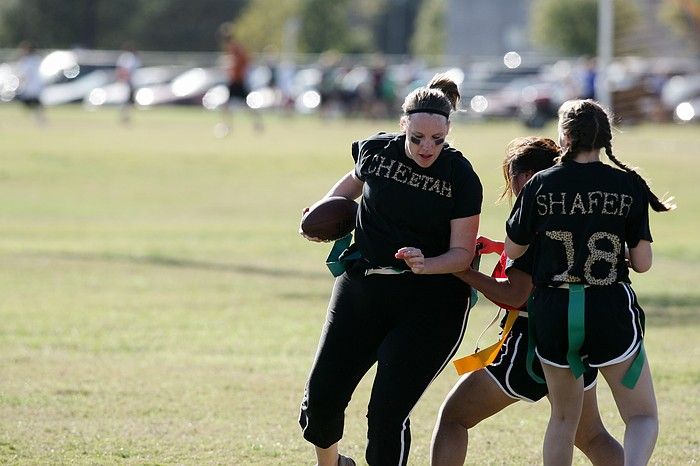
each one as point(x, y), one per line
point(518, 180)
point(425, 136)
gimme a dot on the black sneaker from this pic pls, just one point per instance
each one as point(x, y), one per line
point(345, 461)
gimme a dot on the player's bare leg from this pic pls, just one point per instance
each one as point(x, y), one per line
point(476, 397)
point(256, 116)
point(593, 439)
point(223, 127)
point(327, 456)
point(566, 400)
point(638, 410)
point(330, 457)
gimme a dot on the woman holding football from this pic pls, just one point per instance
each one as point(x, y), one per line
point(582, 218)
point(484, 392)
point(397, 304)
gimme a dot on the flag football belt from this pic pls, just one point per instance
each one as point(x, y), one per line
point(338, 258)
point(386, 271)
point(483, 358)
point(576, 333)
point(341, 255)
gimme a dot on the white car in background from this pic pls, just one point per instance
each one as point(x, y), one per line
point(116, 93)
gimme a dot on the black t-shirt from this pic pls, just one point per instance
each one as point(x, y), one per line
point(578, 217)
point(404, 204)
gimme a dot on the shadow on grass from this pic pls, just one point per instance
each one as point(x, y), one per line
point(671, 311)
point(193, 264)
point(665, 310)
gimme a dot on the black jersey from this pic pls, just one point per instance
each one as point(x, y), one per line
point(578, 217)
point(404, 204)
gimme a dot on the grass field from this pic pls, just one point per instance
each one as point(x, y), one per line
point(158, 306)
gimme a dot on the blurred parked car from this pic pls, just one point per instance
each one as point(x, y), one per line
point(679, 89)
point(305, 88)
point(9, 82)
point(67, 75)
point(532, 98)
point(117, 92)
point(75, 89)
point(186, 88)
point(260, 82)
point(484, 78)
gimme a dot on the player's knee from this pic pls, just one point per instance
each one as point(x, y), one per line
point(586, 438)
point(386, 419)
point(650, 421)
point(455, 413)
point(641, 409)
point(565, 419)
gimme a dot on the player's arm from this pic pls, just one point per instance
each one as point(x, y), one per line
point(640, 256)
point(513, 249)
point(521, 224)
point(512, 291)
point(349, 187)
point(458, 257)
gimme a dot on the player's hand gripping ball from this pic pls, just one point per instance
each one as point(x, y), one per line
point(329, 219)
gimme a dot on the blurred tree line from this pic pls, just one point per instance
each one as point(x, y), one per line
point(151, 24)
point(313, 26)
point(358, 26)
point(684, 16)
point(570, 27)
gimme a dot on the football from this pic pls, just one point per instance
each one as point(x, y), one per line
point(330, 218)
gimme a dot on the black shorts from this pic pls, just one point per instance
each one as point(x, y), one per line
point(509, 369)
point(237, 90)
point(614, 325)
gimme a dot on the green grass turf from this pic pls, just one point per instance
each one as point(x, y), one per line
point(158, 306)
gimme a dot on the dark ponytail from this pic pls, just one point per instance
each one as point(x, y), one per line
point(440, 96)
point(448, 87)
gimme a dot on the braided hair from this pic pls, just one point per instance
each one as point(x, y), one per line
point(587, 125)
point(527, 154)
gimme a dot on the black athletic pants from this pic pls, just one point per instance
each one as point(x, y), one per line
point(411, 326)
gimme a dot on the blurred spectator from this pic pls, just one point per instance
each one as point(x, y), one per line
point(127, 63)
point(383, 91)
point(329, 87)
point(356, 90)
point(588, 79)
point(284, 77)
point(31, 82)
point(653, 106)
point(236, 63)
